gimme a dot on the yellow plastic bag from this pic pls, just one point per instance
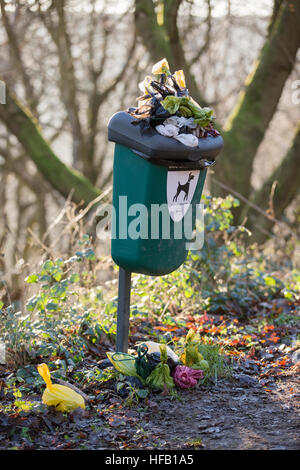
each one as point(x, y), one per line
point(60, 396)
point(161, 67)
point(180, 78)
point(191, 357)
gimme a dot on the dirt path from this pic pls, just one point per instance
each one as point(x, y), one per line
point(240, 414)
point(231, 417)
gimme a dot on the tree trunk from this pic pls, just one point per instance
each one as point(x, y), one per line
point(246, 127)
point(17, 58)
point(257, 104)
point(153, 35)
point(61, 177)
point(163, 40)
point(287, 177)
point(67, 81)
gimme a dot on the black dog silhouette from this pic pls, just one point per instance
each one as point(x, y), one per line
point(184, 187)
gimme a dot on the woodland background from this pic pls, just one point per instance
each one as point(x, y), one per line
point(68, 65)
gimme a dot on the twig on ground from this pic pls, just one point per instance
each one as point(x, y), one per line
point(73, 387)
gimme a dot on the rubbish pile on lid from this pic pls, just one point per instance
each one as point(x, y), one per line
point(167, 108)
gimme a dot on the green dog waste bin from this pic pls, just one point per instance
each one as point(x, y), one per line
point(156, 185)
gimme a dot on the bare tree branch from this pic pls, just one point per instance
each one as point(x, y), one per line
point(208, 22)
point(17, 58)
point(287, 178)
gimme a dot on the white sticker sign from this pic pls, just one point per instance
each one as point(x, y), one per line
point(181, 186)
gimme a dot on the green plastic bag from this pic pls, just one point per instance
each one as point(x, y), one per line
point(171, 104)
point(124, 363)
point(160, 378)
point(132, 366)
point(187, 107)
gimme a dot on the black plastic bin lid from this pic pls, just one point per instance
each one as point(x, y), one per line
point(158, 147)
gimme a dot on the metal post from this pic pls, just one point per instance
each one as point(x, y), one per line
point(123, 310)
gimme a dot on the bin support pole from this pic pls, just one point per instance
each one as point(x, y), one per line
point(123, 310)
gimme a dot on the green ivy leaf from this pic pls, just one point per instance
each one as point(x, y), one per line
point(52, 307)
point(270, 281)
point(31, 304)
point(74, 278)
point(90, 255)
point(32, 279)
point(142, 393)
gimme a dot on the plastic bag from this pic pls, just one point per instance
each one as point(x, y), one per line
point(188, 108)
point(160, 378)
point(153, 347)
point(191, 357)
point(161, 67)
point(124, 363)
point(142, 365)
point(180, 78)
point(185, 377)
point(131, 366)
point(171, 104)
point(189, 140)
point(60, 396)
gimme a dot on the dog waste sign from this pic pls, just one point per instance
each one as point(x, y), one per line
point(181, 187)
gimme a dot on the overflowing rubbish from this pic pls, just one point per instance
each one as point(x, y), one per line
point(167, 108)
point(159, 368)
point(63, 398)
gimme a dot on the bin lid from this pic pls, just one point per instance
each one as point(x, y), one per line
point(156, 146)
